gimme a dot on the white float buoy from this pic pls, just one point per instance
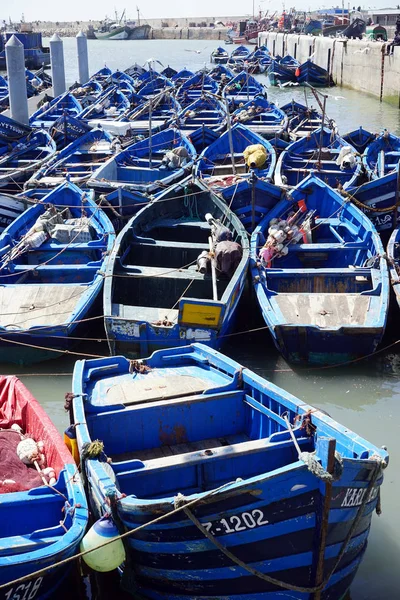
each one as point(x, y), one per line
point(110, 556)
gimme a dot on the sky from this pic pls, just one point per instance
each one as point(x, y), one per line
point(48, 10)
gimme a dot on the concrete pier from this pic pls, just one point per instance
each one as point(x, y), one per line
point(361, 65)
point(83, 57)
point(57, 65)
point(15, 59)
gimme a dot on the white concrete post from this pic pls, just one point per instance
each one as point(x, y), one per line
point(57, 65)
point(83, 58)
point(15, 58)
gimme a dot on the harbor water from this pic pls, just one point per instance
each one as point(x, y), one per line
point(364, 396)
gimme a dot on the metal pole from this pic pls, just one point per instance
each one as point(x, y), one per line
point(150, 134)
point(228, 123)
point(57, 65)
point(83, 58)
point(253, 200)
point(322, 131)
point(15, 59)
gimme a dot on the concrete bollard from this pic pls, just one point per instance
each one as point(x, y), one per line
point(15, 58)
point(83, 58)
point(57, 65)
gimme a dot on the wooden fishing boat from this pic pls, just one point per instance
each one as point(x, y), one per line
point(147, 166)
point(49, 112)
point(195, 87)
point(190, 425)
point(240, 52)
point(250, 199)
point(88, 93)
point(374, 196)
point(135, 70)
point(77, 161)
point(312, 74)
point(222, 166)
point(302, 119)
point(359, 138)
point(219, 56)
point(111, 105)
point(181, 76)
point(323, 288)
point(168, 72)
point(202, 137)
point(382, 155)
point(25, 157)
point(279, 73)
point(206, 111)
point(156, 293)
point(153, 115)
point(262, 117)
point(11, 206)
point(242, 88)
point(50, 274)
point(41, 525)
point(289, 61)
point(323, 153)
point(4, 100)
point(11, 131)
point(393, 254)
point(155, 86)
point(67, 129)
point(103, 75)
point(221, 74)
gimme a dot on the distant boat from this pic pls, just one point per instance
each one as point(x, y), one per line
point(155, 296)
point(121, 29)
point(310, 73)
point(219, 56)
point(42, 525)
point(223, 453)
point(321, 282)
point(279, 73)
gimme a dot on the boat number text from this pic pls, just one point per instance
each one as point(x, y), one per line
point(355, 496)
point(25, 591)
point(241, 522)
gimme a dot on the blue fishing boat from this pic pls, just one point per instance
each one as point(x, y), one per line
point(222, 166)
point(103, 75)
point(67, 129)
point(302, 119)
point(42, 525)
point(202, 137)
point(241, 475)
point(181, 76)
point(221, 74)
point(120, 205)
point(382, 155)
point(393, 254)
point(262, 117)
point(51, 262)
point(146, 77)
point(207, 111)
point(11, 206)
point(50, 111)
point(168, 72)
point(135, 70)
point(240, 52)
point(251, 199)
point(163, 288)
point(77, 161)
point(88, 93)
point(155, 86)
point(195, 87)
point(147, 166)
point(289, 61)
point(219, 56)
point(111, 105)
point(359, 138)
point(374, 196)
point(320, 277)
point(242, 88)
point(279, 74)
point(11, 131)
point(25, 157)
point(312, 74)
point(153, 115)
point(323, 153)
point(4, 100)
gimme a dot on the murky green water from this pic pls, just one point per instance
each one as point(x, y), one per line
point(365, 397)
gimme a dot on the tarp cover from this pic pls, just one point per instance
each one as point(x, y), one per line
point(17, 405)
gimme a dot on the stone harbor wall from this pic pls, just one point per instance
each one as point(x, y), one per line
point(361, 65)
